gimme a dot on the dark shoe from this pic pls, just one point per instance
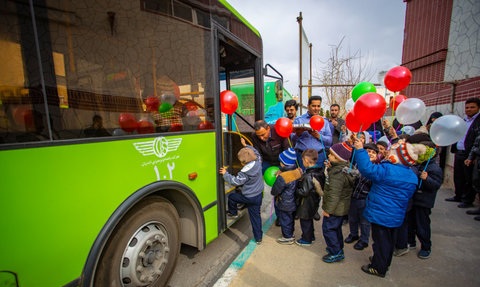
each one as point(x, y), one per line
point(231, 215)
point(302, 242)
point(351, 238)
point(474, 212)
point(360, 245)
point(453, 199)
point(277, 222)
point(331, 258)
point(465, 205)
point(477, 218)
point(372, 271)
point(424, 254)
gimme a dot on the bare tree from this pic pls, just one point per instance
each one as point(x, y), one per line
point(340, 73)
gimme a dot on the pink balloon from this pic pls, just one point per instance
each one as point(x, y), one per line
point(370, 107)
point(397, 78)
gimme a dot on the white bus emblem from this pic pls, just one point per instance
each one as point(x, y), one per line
point(159, 146)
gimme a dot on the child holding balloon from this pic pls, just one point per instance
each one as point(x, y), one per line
point(284, 192)
point(250, 177)
point(308, 192)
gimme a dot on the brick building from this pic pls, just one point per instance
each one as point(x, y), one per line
point(441, 47)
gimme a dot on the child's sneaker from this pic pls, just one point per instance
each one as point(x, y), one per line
point(424, 254)
point(302, 242)
point(400, 252)
point(331, 258)
point(231, 215)
point(372, 271)
point(286, 241)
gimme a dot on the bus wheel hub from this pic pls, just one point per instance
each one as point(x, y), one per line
point(146, 256)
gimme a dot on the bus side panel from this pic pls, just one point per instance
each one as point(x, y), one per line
point(55, 200)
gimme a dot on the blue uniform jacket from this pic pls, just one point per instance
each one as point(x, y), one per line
point(392, 186)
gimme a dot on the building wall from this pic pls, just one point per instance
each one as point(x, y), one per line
point(463, 57)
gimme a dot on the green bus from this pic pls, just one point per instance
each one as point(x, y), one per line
point(112, 135)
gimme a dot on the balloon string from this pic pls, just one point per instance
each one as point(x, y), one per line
point(324, 152)
point(291, 145)
point(426, 165)
point(353, 153)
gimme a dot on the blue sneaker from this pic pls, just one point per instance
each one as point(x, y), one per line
point(424, 254)
point(302, 242)
point(331, 258)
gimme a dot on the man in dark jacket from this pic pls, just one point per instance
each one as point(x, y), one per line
point(462, 174)
point(268, 143)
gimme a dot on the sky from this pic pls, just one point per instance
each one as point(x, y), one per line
point(372, 27)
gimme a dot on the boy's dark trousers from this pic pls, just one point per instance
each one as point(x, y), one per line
point(253, 205)
point(286, 221)
point(420, 226)
point(307, 229)
point(332, 232)
point(383, 244)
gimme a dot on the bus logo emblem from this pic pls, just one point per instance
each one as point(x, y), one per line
point(159, 146)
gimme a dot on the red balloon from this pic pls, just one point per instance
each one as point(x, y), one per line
point(228, 102)
point(353, 124)
point(397, 78)
point(152, 103)
point(205, 125)
point(191, 106)
point(317, 122)
point(176, 128)
point(283, 127)
point(145, 127)
point(370, 107)
point(127, 122)
point(397, 100)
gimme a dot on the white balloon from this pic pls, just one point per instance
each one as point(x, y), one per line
point(349, 105)
point(410, 111)
point(447, 130)
point(409, 130)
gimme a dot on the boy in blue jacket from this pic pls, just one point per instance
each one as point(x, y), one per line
point(393, 184)
point(284, 192)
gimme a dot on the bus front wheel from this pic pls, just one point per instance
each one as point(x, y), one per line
point(144, 247)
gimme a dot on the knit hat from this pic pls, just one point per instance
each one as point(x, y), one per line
point(406, 153)
point(246, 155)
point(288, 157)
point(342, 151)
point(371, 146)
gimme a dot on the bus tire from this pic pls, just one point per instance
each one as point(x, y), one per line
point(143, 249)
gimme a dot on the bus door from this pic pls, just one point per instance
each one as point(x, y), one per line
point(237, 67)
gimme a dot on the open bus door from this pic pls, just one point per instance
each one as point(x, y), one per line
point(237, 65)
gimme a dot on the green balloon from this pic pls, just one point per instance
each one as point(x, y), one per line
point(164, 107)
point(361, 89)
point(270, 175)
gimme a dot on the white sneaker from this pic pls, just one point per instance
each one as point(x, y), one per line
point(286, 241)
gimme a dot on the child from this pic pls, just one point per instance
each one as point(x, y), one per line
point(430, 180)
point(308, 192)
point(393, 184)
point(336, 200)
point(284, 192)
point(250, 177)
point(357, 205)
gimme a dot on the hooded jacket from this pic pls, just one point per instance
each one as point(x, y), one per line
point(338, 189)
point(392, 187)
point(284, 189)
point(250, 177)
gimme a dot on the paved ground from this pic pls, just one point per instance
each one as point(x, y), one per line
point(454, 261)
